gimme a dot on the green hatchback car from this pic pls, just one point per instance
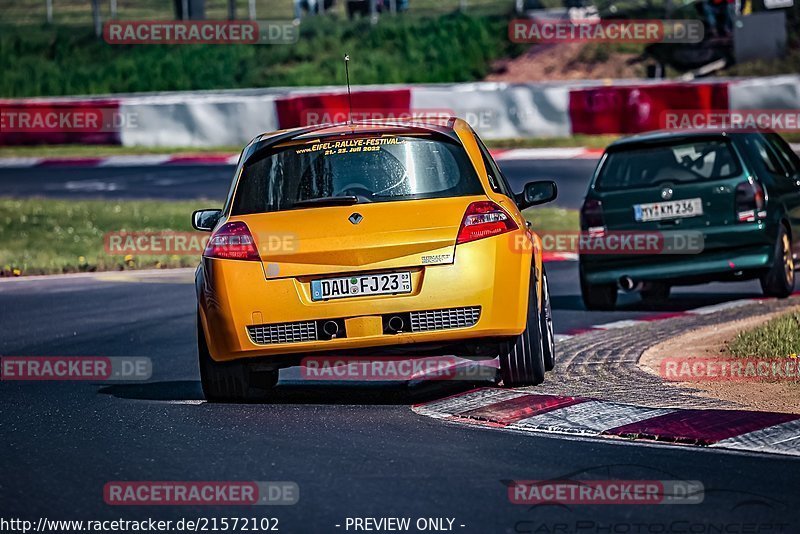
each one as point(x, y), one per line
point(704, 206)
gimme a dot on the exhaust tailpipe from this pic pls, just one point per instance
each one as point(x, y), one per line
point(331, 328)
point(396, 324)
point(626, 283)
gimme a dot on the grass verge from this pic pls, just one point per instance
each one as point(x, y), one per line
point(58, 151)
point(93, 151)
point(46, 236)
point(549, 219)
point(778, 338)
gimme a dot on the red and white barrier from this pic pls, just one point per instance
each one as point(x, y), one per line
point(628, 109)
point(495, 110)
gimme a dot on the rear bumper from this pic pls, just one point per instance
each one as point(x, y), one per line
point(491, 274)
point(745, 248)
point(688, 269)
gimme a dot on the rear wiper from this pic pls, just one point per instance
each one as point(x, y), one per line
point(327, 201)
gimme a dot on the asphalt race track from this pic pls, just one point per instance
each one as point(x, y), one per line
point(354, 449)
point(213, 181)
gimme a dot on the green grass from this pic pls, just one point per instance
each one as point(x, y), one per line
point(779, 337)
point(45, 236)
point(61, 60)
point(588, 141)
point(42, 151)
point(549, 219)
point(579, 140)
point(42, 236)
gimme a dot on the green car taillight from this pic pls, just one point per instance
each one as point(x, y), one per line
point(750, 202)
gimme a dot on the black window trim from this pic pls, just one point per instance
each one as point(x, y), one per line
point(491, 166)
point(785, 152)
point(782, 171)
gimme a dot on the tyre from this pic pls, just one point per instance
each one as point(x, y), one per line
point(548, 337)
point(656, 293)
point(598, 296)
point(779, 280)
point(231, 381)
point(522, 364)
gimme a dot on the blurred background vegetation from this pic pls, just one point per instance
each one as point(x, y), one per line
point(434, 41)
point(45, 60)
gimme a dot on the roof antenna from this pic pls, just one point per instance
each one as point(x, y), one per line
point(349, 98)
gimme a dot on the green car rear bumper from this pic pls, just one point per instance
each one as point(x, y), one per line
point(749, 253)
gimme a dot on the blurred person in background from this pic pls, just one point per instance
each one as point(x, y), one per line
point(719, 15)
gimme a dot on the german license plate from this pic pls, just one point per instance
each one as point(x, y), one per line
point(361, 285)
point(673, 209)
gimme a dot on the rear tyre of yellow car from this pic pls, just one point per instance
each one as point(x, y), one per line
point(231, 381)
point(779, 280)
point(522, 364)
point(548, 336)
point(598, 297)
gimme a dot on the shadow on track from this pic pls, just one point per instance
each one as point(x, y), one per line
point(303, 392)
point(679, 302)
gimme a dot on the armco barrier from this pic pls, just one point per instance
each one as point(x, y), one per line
point(779, 92)
point(639, 108)
point(495, 110)
point(502, 111)
point(197, 120)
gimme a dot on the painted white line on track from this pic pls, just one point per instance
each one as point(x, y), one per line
point(705, 310)
point(135, 161)
point(541, 153)
point(617, 324)
point(19, 162)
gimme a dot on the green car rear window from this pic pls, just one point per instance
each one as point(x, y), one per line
point(379, 168)
point(675, 163)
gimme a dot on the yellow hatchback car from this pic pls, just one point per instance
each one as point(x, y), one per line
point(370, 238)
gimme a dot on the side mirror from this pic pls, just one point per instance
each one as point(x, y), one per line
point(539, 192)
point(205, 220)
